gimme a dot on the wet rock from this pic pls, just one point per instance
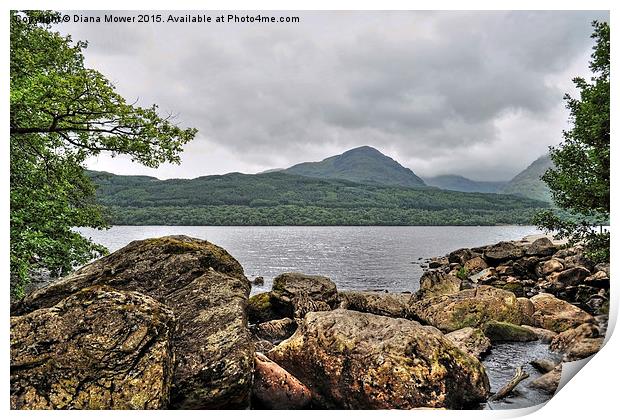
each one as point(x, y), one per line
point(295, 294)
point(501, 332)
point(97, 349)
point(503, 251)
point(475, 265)
point(206, 289)
point(276, 389)
point(551, 266)
point(436, 283)
point(541, 247)
point(260, 308)
point(468, 308)
point(387, 304)
point(545, 336)
point(543, 365)
point(276, 330)
point(258, 281)
point(471, 341)
point(549, 381)
point(557, 315)
point(461, 256)
point(350, 359)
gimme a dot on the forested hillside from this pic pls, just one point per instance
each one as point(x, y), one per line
point(283, 199)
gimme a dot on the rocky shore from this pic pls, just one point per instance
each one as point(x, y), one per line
point(168, 323)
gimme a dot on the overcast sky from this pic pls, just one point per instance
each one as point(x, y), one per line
point(477, 94)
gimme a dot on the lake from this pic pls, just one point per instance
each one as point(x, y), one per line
point(354, 257)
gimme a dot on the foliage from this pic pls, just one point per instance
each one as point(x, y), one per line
point(283, 199)
point(579, 182)
point(61, 113)
point(462, 273)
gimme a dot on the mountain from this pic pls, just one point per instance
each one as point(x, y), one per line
point(279, 198)
point(364, 164)
point(460, 183)
point(528, 183)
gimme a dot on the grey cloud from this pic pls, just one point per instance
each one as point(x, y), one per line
point(437, 89)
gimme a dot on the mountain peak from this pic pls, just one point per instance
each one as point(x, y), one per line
point(363, 164)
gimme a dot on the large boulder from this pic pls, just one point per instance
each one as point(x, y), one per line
point(569, 277)
point(475, 265)
point(206, 289)
point(468, 308)
point(437, 283)
point(97, 349)
point(276, 389)
point(387, 304)
point(503, 251)
point(541, 247)
point(557, 315)
point(295, 294)
point(355, 360)
point(471, 341)
point(565, 340)
point(551, 266)
point(548, 382)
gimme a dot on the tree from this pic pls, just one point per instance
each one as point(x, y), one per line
point(579, 182)
point(61, 113)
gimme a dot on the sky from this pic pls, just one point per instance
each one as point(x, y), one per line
point(473, 93)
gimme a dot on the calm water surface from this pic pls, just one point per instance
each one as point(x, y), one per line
point(368, 257)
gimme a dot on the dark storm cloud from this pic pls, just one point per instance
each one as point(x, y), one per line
point(473, 93)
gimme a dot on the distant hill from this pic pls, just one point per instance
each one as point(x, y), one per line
point(364, 164)
point(279, 198)
point(528, 183)
point(460, 183)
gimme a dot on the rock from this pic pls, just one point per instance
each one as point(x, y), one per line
point(551, 266)
point(354, 360)
point(570, 277)
point(258, 281)
point(276, 330)
point(526, 308)
point(500, 332)
point(484, 276)
point(387, 304)
point(526, 267)
point(545, 336)
point(565, 340)
point(541, 247)
point(438, 262)
point(468, 308)
point(556, 315)
point(504, 270)
point(206, 289)
point(97, 349)
point(276, 389)
point(549, 381)
point(475, 265)
point(598, 279)
point(461, 256)
point(502, 251)
point(436, 283)
point(471, 341)
point(260, 309)
point(568, 252)
point(602, 267)
point(583, 348)
point(578, 260)
point(295, 294)
point(543, 365)
point(512, 284)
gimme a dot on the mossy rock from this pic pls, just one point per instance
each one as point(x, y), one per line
point(499, 332)
point(260, 308)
